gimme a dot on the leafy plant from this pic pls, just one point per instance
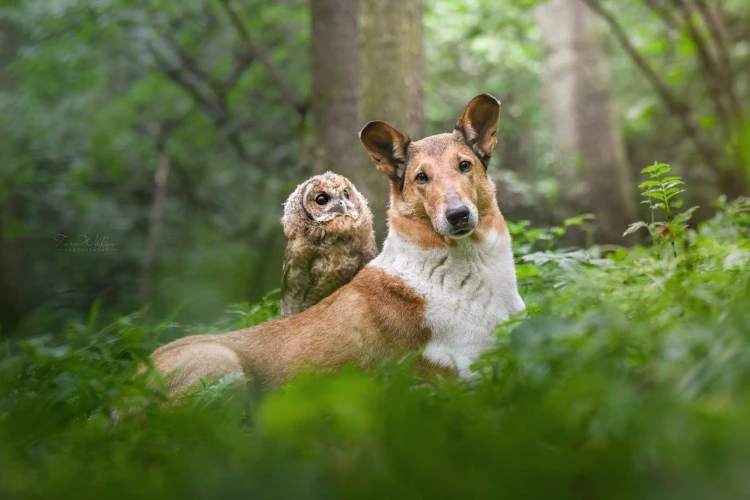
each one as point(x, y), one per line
point(659, 192)
point(628, 379)
point(250, 315)
point(528, 239)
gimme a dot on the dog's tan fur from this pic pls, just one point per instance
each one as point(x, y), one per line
point(376, 316)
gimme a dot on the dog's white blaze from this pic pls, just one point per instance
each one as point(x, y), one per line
point(469, 288)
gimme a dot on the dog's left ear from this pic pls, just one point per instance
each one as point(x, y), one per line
point(478, 124)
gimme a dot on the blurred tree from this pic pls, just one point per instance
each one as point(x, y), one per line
point(391, 44)
point(94, 81)
point(716, 123)
point(334, 63)
point(84, 86)
point(161, 133)
point(13, 251)
point(474, 47)
point(584, 122)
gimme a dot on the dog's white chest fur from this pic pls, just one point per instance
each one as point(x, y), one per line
point(469, 288)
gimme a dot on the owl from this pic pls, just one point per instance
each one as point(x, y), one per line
point(330, 237)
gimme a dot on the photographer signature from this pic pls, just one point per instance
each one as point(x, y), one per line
point(84, 243)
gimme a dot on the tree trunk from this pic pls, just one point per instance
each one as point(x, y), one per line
point(584, 122)
point(14, 251)
point(334, 63)
point(155, 225)
point(392, 82)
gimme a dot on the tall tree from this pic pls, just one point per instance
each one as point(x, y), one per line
point(334, 64)
point(715, 62)
point(391, 38)
point(583, 117)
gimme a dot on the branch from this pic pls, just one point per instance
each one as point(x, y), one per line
point(241, 63)
point(710, 72)
point(155, 225)
point(177, 76)
point(218, 112)
point(709, 19)
point(160, 132)
point(287, 92)
point(664, 14)
point(189, 64)
point(674, 104)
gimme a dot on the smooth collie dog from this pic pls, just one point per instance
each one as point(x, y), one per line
point(444, 279)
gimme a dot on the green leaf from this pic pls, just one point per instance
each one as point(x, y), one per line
point(634, 227)
point(654, 194)
point(657, 170)
point(648, 184)
point(577, 220)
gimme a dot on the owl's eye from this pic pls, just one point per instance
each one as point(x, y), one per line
point(346, 194)
point(464, 166)
point(421, 178)
point(322, 199)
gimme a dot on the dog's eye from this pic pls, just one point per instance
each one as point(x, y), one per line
point(421, 178)
point(322, 199)
point(464, 166)
point(346, 194)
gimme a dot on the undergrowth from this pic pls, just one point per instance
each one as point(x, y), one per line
point(629, 377)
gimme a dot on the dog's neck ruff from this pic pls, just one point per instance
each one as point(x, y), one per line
point(469, 288)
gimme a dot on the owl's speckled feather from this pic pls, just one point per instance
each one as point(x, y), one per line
point(327, 243)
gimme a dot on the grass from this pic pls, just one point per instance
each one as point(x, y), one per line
point(630, 378)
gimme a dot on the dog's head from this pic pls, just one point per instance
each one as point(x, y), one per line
point(440, 182)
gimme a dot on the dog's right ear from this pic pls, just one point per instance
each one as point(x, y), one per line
point(387, 147)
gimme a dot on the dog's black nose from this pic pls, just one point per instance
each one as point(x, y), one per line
point(458, 215)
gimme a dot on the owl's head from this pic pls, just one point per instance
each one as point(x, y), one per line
point(329, 200)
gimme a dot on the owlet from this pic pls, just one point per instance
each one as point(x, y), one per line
point(328, 227)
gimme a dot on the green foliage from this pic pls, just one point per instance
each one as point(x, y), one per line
point(465, 44)
point(535, 245)
point(93, 95)
point(629, 378)
point(659, 192)
point(526, 238)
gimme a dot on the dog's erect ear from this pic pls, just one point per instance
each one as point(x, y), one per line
point(478, 124)
point(388, 147)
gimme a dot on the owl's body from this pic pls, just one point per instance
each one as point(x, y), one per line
point(330, 237)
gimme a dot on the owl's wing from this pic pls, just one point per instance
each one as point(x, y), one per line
point(370, 250)
point(289, 303)
point(285, 273)
point(296, 274)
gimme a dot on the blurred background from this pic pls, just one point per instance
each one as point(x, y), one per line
point(146, 147)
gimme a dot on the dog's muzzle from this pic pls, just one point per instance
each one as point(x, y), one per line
point(460, 220)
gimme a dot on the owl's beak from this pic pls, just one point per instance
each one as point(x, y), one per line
point(338, 208)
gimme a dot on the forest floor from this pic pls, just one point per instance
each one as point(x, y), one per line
point(629, 377)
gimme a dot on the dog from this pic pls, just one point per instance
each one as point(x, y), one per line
point(444, 279)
